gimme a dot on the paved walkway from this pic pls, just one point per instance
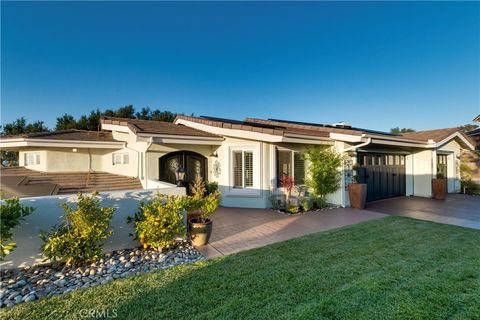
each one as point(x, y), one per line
point(238, 229)
point(457, 209)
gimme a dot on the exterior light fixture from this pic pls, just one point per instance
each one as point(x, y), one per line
point(180, 175)
point(74, 149)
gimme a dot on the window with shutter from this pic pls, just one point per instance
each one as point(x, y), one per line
point(237, 169)
point(299, 168)
point(32, 159)
point(248, 172)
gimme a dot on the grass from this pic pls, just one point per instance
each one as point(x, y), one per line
point(394, 268)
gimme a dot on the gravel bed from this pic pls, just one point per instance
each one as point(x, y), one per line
point(32, 283)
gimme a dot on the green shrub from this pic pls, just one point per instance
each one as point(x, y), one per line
point(211, 187)
point(470, 187)
point(307, 204)
point(293, 209)
point(161, 220)
point(11, 213)
point(275, 202)
point(80, 237)
point(208, 205)
point(320, 203)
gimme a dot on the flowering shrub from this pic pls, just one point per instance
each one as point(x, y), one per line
point(288, 183)
point(80, 237)
point(11, 213)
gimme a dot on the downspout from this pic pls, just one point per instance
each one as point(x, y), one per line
point(146, 162)
point(369, 140)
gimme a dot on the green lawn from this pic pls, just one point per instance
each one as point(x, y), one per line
point(394, 268)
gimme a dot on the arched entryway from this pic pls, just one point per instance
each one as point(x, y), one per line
point(194, 163)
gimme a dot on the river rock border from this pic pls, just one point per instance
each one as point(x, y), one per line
point(32, 283)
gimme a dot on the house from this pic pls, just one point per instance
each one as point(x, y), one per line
point(475, 134)
point(247, 157)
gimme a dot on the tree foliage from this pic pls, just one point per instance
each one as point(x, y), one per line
point(92, 120)
point(323, 175)
point(398, 130)
point(19, 126)
point(468, 127)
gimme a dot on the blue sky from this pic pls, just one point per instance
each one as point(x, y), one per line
point(375, 65)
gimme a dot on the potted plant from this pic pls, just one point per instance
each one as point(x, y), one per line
point(357, 192)
point(201, 225)
point(439, 185)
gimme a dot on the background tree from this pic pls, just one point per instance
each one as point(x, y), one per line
point(66, 122)
point(19, 126)
point(398, 130)
point(468, 127)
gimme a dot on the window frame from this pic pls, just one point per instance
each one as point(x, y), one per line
point(124, 158)
point(36, 159)
point(243, 168)
point(292, 166)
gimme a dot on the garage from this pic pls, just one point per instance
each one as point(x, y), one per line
point(384, 174)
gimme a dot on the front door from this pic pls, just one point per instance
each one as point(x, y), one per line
point(384, 174)
point(194, 163)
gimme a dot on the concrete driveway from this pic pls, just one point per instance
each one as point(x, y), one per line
point(457, 209)
point(238, 229)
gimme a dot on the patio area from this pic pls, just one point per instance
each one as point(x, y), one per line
point(238, 229)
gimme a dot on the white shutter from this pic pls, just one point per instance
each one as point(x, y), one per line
point(237, 169)
point(248, 168)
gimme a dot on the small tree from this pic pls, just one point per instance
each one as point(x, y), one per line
point(323, 164)
point(197, 187)
point(288, 183)
point(11, 213)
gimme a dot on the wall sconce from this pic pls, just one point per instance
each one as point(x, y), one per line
point(74, 149)
point(180, 175)
point(214, 154)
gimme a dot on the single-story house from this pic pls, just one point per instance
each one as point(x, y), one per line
point(247, 157)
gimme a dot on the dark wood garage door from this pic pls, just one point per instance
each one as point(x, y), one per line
point(384, 174)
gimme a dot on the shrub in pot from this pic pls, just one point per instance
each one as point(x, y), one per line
point(357, 192)
point(439, 186)
point(201, 226)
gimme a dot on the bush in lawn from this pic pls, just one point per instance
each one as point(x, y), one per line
point(79, 238)
point(160, 221)
point(324, 176)
point(11, 213)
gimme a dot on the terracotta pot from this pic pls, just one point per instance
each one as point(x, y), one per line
point(200, 232)
point(358, 195)
point(439, 188)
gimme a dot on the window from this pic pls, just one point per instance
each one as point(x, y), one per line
point(442, 165)
point(120, 158)
point(290, 163)
point(32, 159)
point(242, 169)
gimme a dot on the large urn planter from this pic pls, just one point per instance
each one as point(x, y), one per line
point(200, 231)
point(439, 188)
point(358, 195)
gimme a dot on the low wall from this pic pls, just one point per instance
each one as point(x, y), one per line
point(48, 213)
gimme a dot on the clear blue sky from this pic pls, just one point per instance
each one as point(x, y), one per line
point(374, 65)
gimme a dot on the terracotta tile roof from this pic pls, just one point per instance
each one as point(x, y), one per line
point(435, 135)
point(71, 134)
point(156, 127)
